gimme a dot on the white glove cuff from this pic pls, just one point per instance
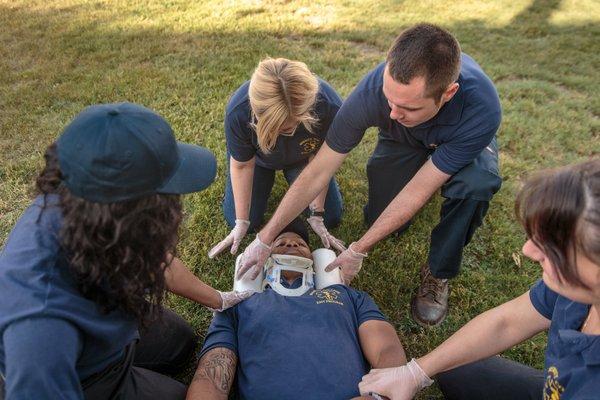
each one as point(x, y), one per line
point(262, 244)
point(418, 374)
point(222, 303)
point(356, 254)
point(242, 222)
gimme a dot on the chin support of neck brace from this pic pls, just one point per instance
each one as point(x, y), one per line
point(313, 273)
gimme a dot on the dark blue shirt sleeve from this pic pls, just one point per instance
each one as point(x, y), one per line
point(222, 332)
point(328, 105)
point(476, 135)
point(543, 299)
point(327, 118)
point(351, 121)
point(40, 358)
point(238, 135)
point(365, 307)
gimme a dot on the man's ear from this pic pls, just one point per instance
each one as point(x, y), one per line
point(450, 92)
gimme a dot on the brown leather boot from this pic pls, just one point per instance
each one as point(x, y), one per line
point(430, 305)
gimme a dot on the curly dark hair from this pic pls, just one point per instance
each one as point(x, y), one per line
point(116, 251)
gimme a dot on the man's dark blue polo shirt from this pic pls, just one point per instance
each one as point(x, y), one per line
point(305, 347)
point(462, 128)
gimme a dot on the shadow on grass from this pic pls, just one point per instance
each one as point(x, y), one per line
point(55, 62)
point(59, 61)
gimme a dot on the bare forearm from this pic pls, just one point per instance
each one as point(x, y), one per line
point(482, 337)
point(380, 344)
point(404, 206)
point(307, 186)
point(242, 176)
point(486, 335)
point(181, 281)
point(299, 195)
point(319, 202)
point(214, 375)
point(397, 213)
point(390, 356)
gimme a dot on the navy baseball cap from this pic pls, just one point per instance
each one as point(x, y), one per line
point(116, 152)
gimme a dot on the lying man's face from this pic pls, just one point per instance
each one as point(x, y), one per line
point(291, 244)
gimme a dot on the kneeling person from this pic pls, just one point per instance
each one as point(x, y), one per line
point(315, 345)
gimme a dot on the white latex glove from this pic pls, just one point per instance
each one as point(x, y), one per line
point(230, 299)
point(233, 239)
point(318, 226)
point(400, 383)
point(254, 258)
point(349, 262)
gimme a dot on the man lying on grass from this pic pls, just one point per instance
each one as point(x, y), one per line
point(316, 345)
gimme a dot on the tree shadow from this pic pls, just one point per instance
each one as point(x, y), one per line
point(54, 62)
point(538, 13)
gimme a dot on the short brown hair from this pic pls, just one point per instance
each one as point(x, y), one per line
point(429, 51)
point(560, 211)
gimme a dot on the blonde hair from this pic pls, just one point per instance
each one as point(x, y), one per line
point(281, 90)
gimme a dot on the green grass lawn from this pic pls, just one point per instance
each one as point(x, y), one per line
point(184, 58)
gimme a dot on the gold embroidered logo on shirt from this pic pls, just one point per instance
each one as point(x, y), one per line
point(310, 145)
point(552, 388)
point(327, 296)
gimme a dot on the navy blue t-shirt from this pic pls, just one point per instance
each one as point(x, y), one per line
point(304, 347)
point(456, 135)
point(242, 142)
point(51, 337)
point(572, 364)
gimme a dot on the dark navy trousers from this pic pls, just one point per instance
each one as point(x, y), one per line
point(261, 191)
point(494, 378)
point(466, 196)
point(166, 346)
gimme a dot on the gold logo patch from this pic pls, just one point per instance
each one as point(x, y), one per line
point(327, 296)
point(310, 145)
point(552, 388)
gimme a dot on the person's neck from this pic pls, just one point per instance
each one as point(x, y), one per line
point(592, 324)
point(290, 278)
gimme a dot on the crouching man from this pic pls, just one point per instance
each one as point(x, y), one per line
point(307, 344)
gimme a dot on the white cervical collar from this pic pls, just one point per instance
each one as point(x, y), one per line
point(278, 262)
point(313, 273)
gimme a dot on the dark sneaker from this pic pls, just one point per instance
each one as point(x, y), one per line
point(430, 305)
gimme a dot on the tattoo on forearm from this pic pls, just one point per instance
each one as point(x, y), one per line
point(218, 367)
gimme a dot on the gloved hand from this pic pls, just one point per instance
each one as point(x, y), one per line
point(400, 383)
point(254, 258)
point(349, 261)
point(233, 239)
point(318, 226)
point(230, 299)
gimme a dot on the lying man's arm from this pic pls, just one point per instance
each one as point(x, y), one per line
point(214, 376)
point(381, 347)
point(380, 344)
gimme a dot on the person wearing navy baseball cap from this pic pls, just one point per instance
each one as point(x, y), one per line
point(85, 270)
